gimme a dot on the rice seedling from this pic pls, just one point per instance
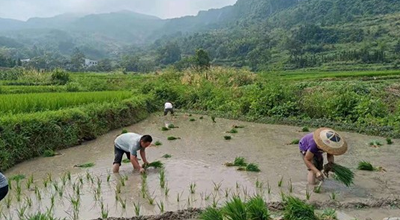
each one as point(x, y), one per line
point(295, 141)
point(333, 196)
point(52, 199)
point(239, 161)
point(123, 203)
point(328, 214)
point(158, 143)
point(61, 191)
point(21, 212)
point(29, 182)
point(283, 196)
point(10, 185)
point(375, 144)
point(343, 174)
point(104, 210)
point(251, 167)
point(8, 201)
point(164, 129)
point(179, 196)
point(235, 209)
point(364, 165)
point(192, 188)
point(259, 184)
point(201, 117)
point(305, 129)
point(64, 179)
point(280, 182)
point(211, 214)
point(237, 185)
point(38, 194)
point(49, 153)
point(166, 190)
point(232, 131)
point(268, 188)
point(118, 188)
point(17, 177)
point(296, 209)
point(245, 192)
point(238, 126)
point(108, 178)
point(192, 119)
point(188, 202)
point(215, 201)
point(117, 198)
point(317, 189)
point(18, 190)
point(166, 156)
point(49, 177)
point(228, 137)
point(137, 208)
point(55, 185)
point(85, 165)
point(161, 206)
point(290, 186)
point(28, 201)
point(155, 164)
point(227, 192)
point(308, 194)
point(213, 119)
point(217, 186)
point(122, 181)
point(150, 199)
point(81, 178)
point(389, 141)
point(69, 175)
point(124, 131)
point(126, 160)
point(162, 178)
point(172, 138)
point(257, 209)
point(207, 197)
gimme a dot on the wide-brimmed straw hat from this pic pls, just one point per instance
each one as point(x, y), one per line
point(330, 141)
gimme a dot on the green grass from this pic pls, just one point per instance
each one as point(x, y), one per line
point(296, 209)
point(36, 102)
point(49, 153)
point(85, 165)
point(364, 165)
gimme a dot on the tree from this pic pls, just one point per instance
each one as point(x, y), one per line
point(202, 60)
point(104, 65)
point(77, 60)
point(169, 54)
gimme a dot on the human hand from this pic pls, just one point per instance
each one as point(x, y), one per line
point(145, 164)
point(320, 176)
point(328, 168)
point(142, 171)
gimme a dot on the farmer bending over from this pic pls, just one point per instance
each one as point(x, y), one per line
point(168, 108)
point(3, 186)
point(313, 145)
point(129, 144)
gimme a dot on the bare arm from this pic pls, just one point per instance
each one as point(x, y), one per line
point(135, 162)
point(143, 155)
point(308, 158)
point(331, 158)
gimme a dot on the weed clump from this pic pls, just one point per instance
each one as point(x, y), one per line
point(49, 153)
point(295, 209)
point(227, 137)
point(364, 165)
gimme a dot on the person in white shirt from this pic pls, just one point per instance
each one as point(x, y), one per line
point(168, 108)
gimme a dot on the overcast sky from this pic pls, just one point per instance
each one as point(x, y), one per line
point(24, 9)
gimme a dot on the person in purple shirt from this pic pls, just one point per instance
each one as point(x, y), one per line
point(313, 145)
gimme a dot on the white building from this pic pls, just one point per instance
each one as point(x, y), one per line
point(90, 63)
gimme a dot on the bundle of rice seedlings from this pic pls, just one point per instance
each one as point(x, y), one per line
point(389, 141)
point(343, 174)
point(364, 165)
point(171, 126)
point(328, 214)
point(295, 141)
point(155, 164)
point(235, 209)
point(257, 209)
point(227, 137)
point(252, 167)
point(375, 144)
point(171, 138)
point(239, 161)
point(164, 129)
point(167, 156)
point(211, 214)
point(296, 209)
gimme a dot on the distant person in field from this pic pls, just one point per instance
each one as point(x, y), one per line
point(129, 144)
point(3, 186)
point(168, 108)
point(313, 145)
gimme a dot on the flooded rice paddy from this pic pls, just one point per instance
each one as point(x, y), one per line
point(195, 175)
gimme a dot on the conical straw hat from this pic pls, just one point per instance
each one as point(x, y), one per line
point(330, 141)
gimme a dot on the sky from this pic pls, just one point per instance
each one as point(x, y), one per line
point(25, 9)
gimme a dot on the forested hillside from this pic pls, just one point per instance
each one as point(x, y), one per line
point(260, 34)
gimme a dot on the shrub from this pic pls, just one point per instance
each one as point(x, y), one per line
point(60, 77)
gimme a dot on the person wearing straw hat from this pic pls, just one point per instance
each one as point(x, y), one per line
point(313, 145)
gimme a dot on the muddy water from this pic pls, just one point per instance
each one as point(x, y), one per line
point(198, 159)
